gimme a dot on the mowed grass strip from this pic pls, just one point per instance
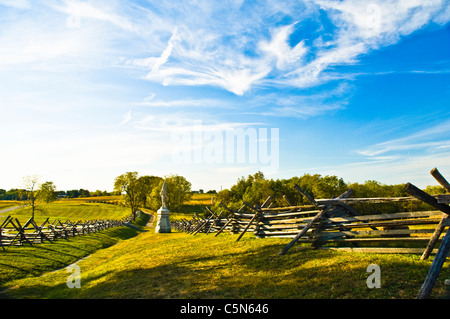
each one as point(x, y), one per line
point(71, 210)
point(179, 265)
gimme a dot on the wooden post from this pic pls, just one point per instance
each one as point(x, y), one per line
point(257, 215)
point(440, 227)
point(214, 223)
point(304, 230)
point(430, 200)
point(287, 200)
point(309, 197)
point(199, 223)
point(316, 218)
point(204, 224)
point(435, 268)
point(441, 180)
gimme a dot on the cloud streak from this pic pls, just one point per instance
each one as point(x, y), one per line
point(284, 54)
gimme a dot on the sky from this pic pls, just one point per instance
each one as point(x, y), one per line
point(92, 89)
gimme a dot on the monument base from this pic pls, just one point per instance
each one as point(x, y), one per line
point(163, 223)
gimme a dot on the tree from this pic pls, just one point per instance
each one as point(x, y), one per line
point(258, 191)
point(146, 185)
point(47, 192)
point(127, 184)
point(178, 192)
point(74, 193)
point(84, 193)
point(31, 190)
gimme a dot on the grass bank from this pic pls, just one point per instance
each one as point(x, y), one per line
point(179, 265)
point(33, 261)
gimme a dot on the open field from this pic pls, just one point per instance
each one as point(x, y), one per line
point(179, 265)
point(73, 211)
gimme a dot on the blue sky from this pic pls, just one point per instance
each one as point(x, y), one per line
point(92, 89)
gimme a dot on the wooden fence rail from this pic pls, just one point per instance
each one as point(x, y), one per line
point(343, 228)
point(13, 233)
point(335, 224)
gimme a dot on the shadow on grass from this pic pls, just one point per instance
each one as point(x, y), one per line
point(26, 261)
point(253, 273)
point(259, 274)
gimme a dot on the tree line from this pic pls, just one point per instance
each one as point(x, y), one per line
point(144, 191)
point(255, 189)
point(21, 194)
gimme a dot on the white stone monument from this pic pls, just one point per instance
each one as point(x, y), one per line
point(163, 223)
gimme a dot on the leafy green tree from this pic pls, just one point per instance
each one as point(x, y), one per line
point(47, 192)
point(127, 184)
point(435, 190)
point(146, 186)
point(178, 192)
point(258, 191)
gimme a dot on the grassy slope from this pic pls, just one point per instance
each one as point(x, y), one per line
point(26, 261)
point(179, 265)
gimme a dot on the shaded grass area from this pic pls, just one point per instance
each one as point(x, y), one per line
point(31, 261)
point(179, 265)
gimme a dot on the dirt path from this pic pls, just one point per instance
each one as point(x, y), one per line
point(7, 210)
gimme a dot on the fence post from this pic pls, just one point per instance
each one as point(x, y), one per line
point(316, 218)
point(430, 200)
point(435, 268)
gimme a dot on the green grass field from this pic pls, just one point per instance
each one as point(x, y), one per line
point(126, 263)
point(179, 265)
point(71, 210)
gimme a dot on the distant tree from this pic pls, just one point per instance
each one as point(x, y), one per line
point(47, 192)
point(84, 193)
point(31, 189)
point(435, 190)
point(73, 193)
point(128, 185)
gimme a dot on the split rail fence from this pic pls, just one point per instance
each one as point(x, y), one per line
point(329, 222)
point(336, 224)
point(12, 233)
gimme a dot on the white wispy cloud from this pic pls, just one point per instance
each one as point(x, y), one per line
point(279, 48)
point(208, 53)
point(434, 138)
point(185, 103)
point(20, 4)
point(77, 11)
point(126, 118)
